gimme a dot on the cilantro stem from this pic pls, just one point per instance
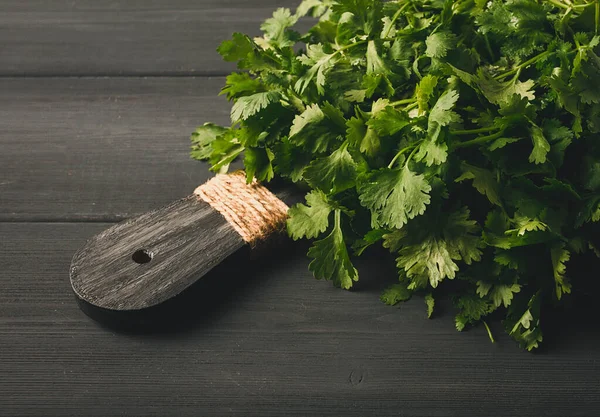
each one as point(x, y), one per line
point(597, 16)
point(474, 131)
point(403, 101)
point(489, 332)
point(523, 65)
point(403, 150)
point(479, 140)
point(411, 106)
point(394, 18)
point(558, 4)
point(352, 45)
point(400, 152)
point(338, 218)
point(410, 155)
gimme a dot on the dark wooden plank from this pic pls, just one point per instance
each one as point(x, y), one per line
point(90, 37)
point(92, 149)
point(274, 342)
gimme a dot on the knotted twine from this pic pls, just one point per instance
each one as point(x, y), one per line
point(251, 209)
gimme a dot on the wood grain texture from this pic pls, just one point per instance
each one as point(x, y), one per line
point(100, 149)
point(252, 338)
point(119, 37)
point(268, 340)
point(148, 259)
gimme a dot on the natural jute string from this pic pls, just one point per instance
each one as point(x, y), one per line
point(252, 210)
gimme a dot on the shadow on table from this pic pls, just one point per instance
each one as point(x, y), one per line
point(213, 295)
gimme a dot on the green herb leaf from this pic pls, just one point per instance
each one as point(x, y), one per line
point(394, 196)
point(309, 220)
point(202, 140)
point(395, 294)
point(248, 106)
point(430, 302)
point(330, 258)
point(405, 118)
point(333, 173)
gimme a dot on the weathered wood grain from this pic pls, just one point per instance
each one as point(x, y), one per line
point(93, 149)
point(143, 37)
point(268, 340)
point(146, 260)
point(261, 338)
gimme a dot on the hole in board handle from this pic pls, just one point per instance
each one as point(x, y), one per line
point(142, 256)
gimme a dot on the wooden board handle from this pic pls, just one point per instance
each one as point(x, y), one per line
point(146, 260)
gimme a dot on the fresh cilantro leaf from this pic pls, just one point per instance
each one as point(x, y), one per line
point(442, 115)
point(361, 135)
point(330, 258)
point(425, 90)
point(502, 142)
point(523, 321)
point(333, 173)
point(389, 28)
point(355, 96)
point(312, 114)
point(472, 309)
point(510, 259)
point(498, 92)
point(589, 211)
point(430, 257)
point(226, 148)
point(258, 163)
point(276, 28)
point(484, 181)
point(335, 115)
point(439, 43)
point(388, 121)
point(430, 302)
point(395, 294)
point(555, 131)
point(320, 63)
point(309, 220)
point(364, 15)
point(541, 147)
point(432, 153)
point(560, 256)
point(375, 64)
point(237, 48)
point(314, 8)
point(371, 237)
point(499, 294)
point(202, 139)
point(248, 106)
point(240, 84)
point(394, 196)
point(431, 260)
point(525, 224)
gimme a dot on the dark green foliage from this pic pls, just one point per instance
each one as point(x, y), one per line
point(461, 135)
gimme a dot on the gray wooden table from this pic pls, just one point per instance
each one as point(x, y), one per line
point(97, 99)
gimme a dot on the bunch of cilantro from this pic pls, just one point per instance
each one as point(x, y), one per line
point(460, 135)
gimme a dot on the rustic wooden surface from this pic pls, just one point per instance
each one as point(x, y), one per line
point(148, 259)
point(81, 148)
point(123, 37)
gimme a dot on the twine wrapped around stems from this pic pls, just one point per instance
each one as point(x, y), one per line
point(251, 209)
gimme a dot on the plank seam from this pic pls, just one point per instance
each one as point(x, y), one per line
point(48, 220)
point(119, 75)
